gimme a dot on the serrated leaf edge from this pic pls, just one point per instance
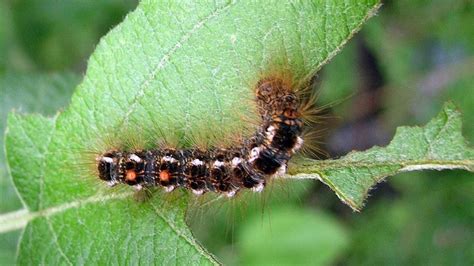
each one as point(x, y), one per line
point(313, 169)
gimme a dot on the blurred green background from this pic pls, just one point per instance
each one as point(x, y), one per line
point(397, 71)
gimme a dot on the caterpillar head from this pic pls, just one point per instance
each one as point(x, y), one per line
point(274, 97)
point(108, 166)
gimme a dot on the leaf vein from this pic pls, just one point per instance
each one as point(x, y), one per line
point(165, 60)
point(55, 241)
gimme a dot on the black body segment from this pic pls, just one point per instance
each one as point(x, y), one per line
point(225, 171)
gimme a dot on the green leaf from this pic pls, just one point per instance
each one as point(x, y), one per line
point(166, 229)
point(177, 72)
point(438, 145)
point(38, 92)
point(291, 238)
point(36, 131)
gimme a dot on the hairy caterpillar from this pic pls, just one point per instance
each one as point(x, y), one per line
point(221, 170)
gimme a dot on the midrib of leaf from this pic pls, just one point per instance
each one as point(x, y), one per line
point(353, 175)
point(422, 164)
point(166, 59)
point(312, 169)
point(18, 219)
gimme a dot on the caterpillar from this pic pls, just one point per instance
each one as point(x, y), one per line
point(249, 165)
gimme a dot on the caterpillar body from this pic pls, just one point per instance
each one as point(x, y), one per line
point(222, 170)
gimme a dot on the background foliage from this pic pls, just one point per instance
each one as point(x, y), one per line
point(405, 63)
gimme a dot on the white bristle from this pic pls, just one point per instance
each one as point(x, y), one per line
point(169, 188)
point(298, 144)
point(198, 192)
point(258, 188)
point(270, 133)
point(218, 164)
point(107, 159)
point(236, 161)
point(197, 162)
point(254, 154)
point(281, 171)
point(169, 159)
point(112, 183)
point(231, 193)
point(135, 158)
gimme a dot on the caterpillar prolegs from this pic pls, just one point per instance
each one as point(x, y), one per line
point(221, 170)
